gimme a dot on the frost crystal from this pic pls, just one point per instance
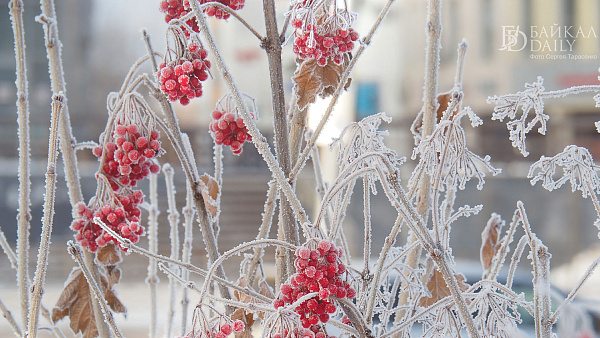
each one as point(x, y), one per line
point(578, 168)
point(444, 153)
point(508, 105)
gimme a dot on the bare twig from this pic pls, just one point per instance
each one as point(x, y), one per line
point(174, 235)
point(11, 320)
point(188, 214)
point(152, 279)
point(49, 198)
point(57, 83)
point(76, 252)
point(24, 216)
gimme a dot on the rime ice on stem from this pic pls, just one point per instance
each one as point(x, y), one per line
point(24, 216)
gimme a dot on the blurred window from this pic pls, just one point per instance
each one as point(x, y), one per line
point(367, 99)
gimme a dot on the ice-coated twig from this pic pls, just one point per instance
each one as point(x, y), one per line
point(188, 214)
point(57, 84)
point(367, 225)
point(126, 243)
point(192, 286)
point(24, 216)
point(500, 256)
point(578, 168)
point(47, 220)
point(514, 261)
point(174, 236)
point(77, 255)
point(257, 138)
point(10, 253)
point(11, 320)
point(188, 164)
point(575, 289)
point(532, 97)
point(263, 232)
point(235, 251)
point(340, 87)
point(152, 279)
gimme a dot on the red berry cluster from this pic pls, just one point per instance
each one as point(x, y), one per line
point(121, 214)
point(318, 270)
point(315, 331)
point(130, 158)
point(175, 9)
point(229, 130)
point(219, 13)
point(309, 43)
point(224, 330)
point(181, 79)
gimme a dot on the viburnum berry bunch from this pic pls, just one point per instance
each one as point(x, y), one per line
point(320, 34)
point(227, 127)
point(181, 77)
point(120, 213)
point(128, 153)
point(175, 9)
point(318, 270)
point(219, 327)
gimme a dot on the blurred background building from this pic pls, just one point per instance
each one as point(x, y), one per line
point(101, 39)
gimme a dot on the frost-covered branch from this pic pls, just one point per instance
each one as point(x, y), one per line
point(507, 107)
point(47, 220)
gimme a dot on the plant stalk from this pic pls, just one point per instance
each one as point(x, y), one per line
point(24, 216)
point(47, 220)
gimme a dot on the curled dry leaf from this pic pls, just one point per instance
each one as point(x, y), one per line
point(109, 255)
point(438, 288)
point(489, 241)
point(210, 192)
point(312, 80)
point(75, 301)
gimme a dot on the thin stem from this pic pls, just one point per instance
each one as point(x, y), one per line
point(192, 286)
point(188, 213)
point(367, 219)
point(10, 253)
point(235, 15)
point(235, 251)
point(11, 320)
point(126, 243)
point(576, 289)
point(263, 232)
point(355, 316)
point(288, 230)
point(152, 279)
point(24, 216)
point(76, 252)
point(389, 242)
point(57, 83)
point(47, 220)
point(503, 251)
point(174, 235)
point(340, 87)
point(189, 166)
point(514, 260)
point(257, 138)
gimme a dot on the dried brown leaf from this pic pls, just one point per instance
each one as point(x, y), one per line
point(210, 192)
point(109, 255)
point(489, 241)
point(438, 288)
point(312, 80)
point(75, 302)
point(265, 289)
point(113, 275)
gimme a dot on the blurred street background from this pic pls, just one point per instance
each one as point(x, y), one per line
point(102, 39)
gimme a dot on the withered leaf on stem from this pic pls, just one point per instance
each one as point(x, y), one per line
point(312, 80)
point(438, 288)
point(75, 301)
point(210, 192)
point(489, 241)
point(109, 255)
